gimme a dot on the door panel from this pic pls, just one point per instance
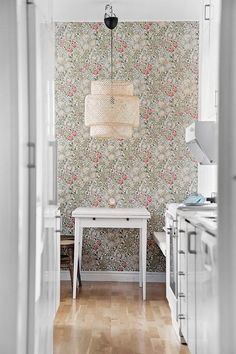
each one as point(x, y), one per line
point(191, 239)
point(43, 292)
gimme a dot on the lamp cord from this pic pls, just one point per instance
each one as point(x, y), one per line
point(111, 56)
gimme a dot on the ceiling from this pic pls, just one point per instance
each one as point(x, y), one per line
point(127, 10)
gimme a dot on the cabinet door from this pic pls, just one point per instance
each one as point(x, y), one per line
point(204, 60)
point(191, 290)
point(182, 277)
point(206, 293)
point(215, 9)
point(209, 59)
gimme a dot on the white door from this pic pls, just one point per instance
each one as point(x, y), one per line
point(227, 181)
point(13, 177)
point(44, 235)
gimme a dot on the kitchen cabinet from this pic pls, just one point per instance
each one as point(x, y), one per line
point(197, 292)
point(209, 59)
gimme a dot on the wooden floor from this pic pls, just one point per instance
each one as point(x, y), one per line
point(111, 318)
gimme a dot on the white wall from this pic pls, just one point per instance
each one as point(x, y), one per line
point(127, 10)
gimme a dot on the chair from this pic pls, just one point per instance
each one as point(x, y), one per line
point(67, 258)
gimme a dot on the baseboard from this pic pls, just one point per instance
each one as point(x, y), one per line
point(152, 277)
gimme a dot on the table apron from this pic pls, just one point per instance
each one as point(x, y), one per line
point(126, 223)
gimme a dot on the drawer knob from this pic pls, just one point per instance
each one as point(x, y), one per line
point(127, 219)
point(94, 218)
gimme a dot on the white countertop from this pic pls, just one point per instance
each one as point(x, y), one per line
point(204, 218)
point(135, 213)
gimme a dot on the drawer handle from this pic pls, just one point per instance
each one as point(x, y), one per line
point(181, 273)
point(181, 252)
point(190, 250)
point(181, 317)
point(58, 231)
point(181, 295)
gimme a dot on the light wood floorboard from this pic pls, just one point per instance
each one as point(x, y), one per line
point(111, 318)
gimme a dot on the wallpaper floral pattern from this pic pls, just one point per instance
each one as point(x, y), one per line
point(151, 169)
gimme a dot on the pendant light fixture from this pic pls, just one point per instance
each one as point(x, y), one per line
point(111, 110)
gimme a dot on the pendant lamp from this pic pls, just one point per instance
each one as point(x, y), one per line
point(111, 110)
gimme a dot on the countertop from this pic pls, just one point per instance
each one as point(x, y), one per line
point(206, 218)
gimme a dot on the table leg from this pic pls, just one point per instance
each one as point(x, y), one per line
point(80, 247)
point(140, 258)
point(78, 241)
point(144, 257)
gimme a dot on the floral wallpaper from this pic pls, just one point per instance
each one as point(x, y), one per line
point(152, 168)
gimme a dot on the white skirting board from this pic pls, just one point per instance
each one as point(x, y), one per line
point(152, 277)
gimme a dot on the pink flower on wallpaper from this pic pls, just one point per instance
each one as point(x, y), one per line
point(97, 202)
point(147, 26)
point(121, 181)
point(147, 158)
point(121, 50)
point(148, 113)
point(124, 264)
point(97, 70)
point(74, 44)
point(97, 158)
point(148, 201)
point(174, 133)
point(95, 26)
point(71, 180)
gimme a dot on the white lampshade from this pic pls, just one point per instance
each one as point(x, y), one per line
point(111, 110)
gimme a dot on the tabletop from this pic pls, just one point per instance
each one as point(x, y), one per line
point(135, 213)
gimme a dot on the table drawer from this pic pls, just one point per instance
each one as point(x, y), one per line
point(110, 223)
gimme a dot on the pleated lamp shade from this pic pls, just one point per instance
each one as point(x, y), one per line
point(111, 110)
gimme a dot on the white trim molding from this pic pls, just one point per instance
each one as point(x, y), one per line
point(152, 277)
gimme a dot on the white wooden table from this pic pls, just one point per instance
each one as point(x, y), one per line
point(127, 218)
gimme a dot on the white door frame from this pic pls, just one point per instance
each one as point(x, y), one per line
point(13, 177)
point(227, 180)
